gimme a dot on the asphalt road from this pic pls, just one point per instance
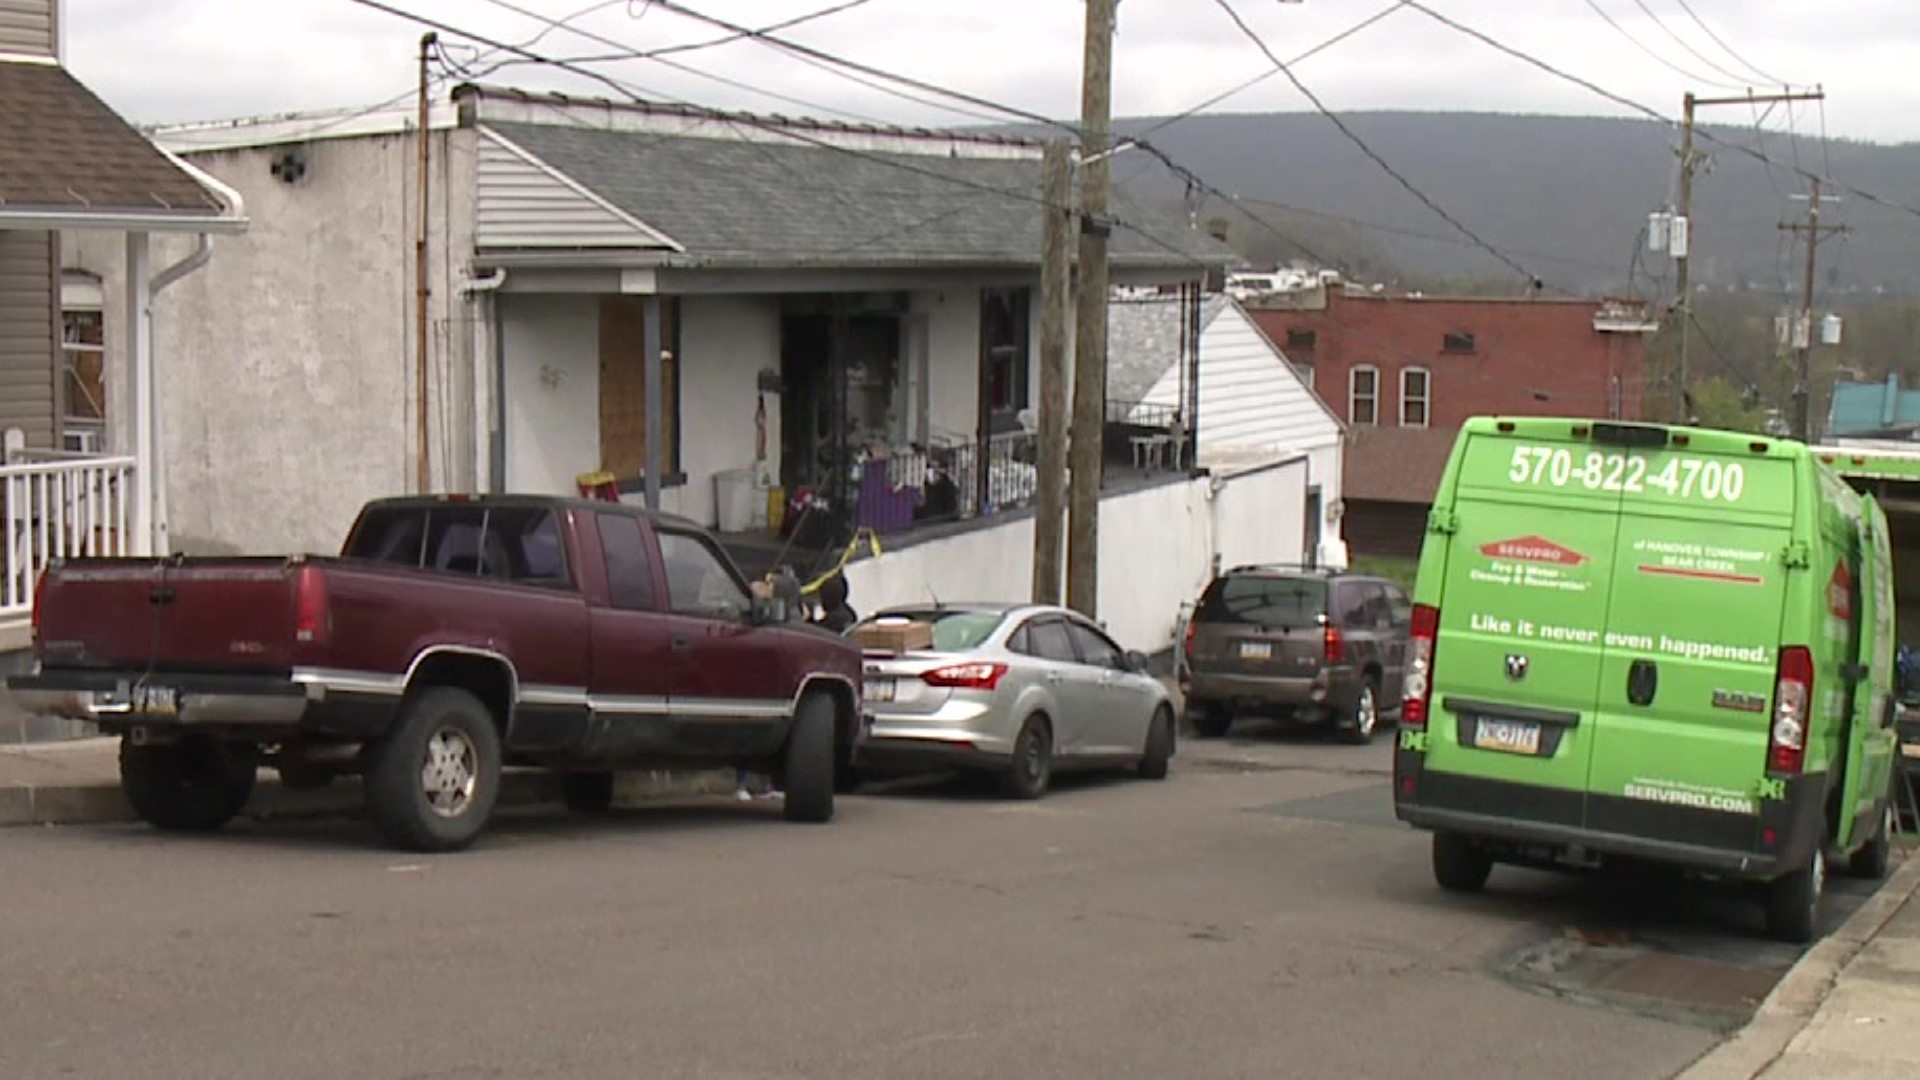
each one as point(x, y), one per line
point(1256, 915)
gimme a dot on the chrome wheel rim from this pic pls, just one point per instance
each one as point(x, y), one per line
point(449, 773)
point(1367, 715)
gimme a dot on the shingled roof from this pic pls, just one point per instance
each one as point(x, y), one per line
point(65, 154)
point(764, 202)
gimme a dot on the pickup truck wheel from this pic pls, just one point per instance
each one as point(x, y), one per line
point(194, 785)
point(1159, 749)
point(587, 792)
point(1031, 770)
point(432, 780)
point(809, 771)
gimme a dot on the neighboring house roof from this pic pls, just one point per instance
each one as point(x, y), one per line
point(1866, 408)
point(1143, 342)
point(748, 199)
point(1396, 464)
point(67, 160)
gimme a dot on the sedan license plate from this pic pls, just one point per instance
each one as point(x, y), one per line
point(1256, 650)
point(1507, 736)
point(156, 700)
point(880, 689)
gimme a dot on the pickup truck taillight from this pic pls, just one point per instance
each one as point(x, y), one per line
point(1792, 695)
point(1420, 644)
point(313, 622)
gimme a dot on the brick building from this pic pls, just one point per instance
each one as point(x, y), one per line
point(1405, 371)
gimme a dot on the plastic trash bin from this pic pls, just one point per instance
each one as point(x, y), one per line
point(733, 496)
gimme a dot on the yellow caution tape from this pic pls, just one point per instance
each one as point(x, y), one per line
point(873, 544)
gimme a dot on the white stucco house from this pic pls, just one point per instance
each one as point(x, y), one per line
point(1205, 361)
point(816, 290)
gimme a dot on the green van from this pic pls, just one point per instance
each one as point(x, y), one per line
point(1635, 643)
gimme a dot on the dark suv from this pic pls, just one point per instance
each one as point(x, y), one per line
point(1297, 644)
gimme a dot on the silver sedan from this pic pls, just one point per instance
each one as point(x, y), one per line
point(1015, 690)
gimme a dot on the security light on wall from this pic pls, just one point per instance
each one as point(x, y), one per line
point(290, 166)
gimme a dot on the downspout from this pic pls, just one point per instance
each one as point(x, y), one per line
point(202, 253)
point(482, 288)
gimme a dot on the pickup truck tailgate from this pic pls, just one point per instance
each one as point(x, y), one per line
point(224, 614)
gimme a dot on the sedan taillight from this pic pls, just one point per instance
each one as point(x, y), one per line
point(981, 675)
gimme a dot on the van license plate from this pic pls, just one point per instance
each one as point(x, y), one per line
point(880, 689)
point(1506, 736)
point(1256, 650)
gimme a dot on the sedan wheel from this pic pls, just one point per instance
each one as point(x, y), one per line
point(1031, 770)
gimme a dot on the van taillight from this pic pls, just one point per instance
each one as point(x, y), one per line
point(312, 622)
point(1420, 642)
point(1792, 698)
point(1336, 646)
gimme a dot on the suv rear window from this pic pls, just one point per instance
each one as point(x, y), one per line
point(1264, 600)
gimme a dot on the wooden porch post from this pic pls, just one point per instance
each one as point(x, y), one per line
point(654, 372)
point(139, 300)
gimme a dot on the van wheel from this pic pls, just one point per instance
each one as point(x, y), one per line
point(432, 780)
point(1359, 728)
point(1213, 722)
point(1459, 866)
point(587, 792)
point(1793, 902)
point(194, 785)
point(1872, 860)
point(808, 772)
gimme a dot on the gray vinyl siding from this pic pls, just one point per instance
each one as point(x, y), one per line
point(524, 206)
point(1249, 396)
point(26, 26)
point(26, 335)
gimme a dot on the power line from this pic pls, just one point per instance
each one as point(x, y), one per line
point(1645, 110)
point(1650, 51)
point(784, 24)
point(1708, 30)
point(1357, 141)
point(1685, 44)
point(1270, 73)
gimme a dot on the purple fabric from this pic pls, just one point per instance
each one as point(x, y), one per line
point(883, 508)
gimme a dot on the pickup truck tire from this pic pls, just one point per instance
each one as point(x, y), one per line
point(194, 785)
point(809, 768)
point(433, 779)
point(587, 792)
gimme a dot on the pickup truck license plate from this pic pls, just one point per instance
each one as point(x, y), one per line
point(1256, 650)
point(156, 700)
point(880, 689)
point(1506, 736)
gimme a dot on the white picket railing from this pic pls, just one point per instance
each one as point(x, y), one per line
point(57, 508)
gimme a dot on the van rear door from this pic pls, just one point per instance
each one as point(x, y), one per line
point(1692, 639)
point(1518, 662)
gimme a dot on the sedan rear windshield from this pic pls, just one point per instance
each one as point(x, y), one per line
point(954, 629)
point(1272, 602)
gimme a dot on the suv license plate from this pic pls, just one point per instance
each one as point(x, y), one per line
point(1507, 736)
point(880, 690)
point(1256, 650)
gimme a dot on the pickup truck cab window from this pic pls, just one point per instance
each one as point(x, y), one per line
point(520, 544)
point(629, 567)
point(698, 579)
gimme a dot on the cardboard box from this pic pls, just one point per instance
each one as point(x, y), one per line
point(894, 636)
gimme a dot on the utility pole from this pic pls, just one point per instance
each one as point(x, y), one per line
point(1090, 337)
point(1056, 282)
point(424, 479)
point(1802, 335)
point(1683, 227)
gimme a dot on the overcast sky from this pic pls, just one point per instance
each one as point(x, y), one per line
point(179, 60)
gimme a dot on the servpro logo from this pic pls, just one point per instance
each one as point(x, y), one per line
point(1533, 549)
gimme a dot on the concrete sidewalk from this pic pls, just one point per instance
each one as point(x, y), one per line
point(78, 783)
point(1849, 1010)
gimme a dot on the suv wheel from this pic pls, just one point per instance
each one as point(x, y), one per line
point(194, 785)
point(1360, 726)
point(1213, 721)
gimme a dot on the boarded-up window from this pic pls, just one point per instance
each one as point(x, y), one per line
point(623, 385)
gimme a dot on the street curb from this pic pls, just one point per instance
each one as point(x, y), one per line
point(103, 804)
point(1792, 1004)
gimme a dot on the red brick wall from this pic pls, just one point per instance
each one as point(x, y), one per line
point(1529, 357)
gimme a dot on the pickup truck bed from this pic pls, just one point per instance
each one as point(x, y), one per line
point(452, 637)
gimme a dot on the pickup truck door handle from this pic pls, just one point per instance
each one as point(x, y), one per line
point(681, 643)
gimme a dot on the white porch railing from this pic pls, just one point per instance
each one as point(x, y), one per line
point(58, 506)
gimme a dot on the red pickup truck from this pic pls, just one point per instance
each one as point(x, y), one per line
point(452, 636)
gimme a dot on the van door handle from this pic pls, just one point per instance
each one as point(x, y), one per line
point(1643, 682)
